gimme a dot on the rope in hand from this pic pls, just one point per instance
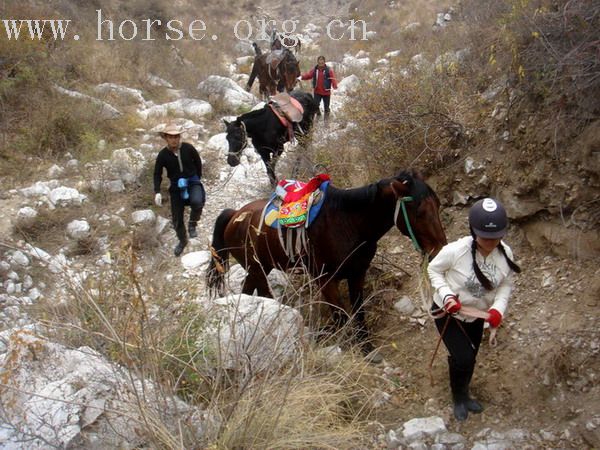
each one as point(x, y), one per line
point(465, 311)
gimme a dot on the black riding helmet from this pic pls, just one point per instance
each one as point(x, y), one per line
point(487, 219)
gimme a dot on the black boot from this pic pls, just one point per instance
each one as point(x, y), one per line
point(192, 232)
point(178, 250)
point(472, 405)
point(459, 386)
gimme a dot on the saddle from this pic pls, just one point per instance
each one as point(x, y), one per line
point(292, 209)
point(288, 110)
point(295, 204)
point(273, 59)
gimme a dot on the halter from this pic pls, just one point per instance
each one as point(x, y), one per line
point(400, 203)
point(244, 141)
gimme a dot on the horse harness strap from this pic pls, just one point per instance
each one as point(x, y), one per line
point(400, 203)
point(244, 140)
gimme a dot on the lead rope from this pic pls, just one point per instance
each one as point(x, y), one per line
point(400, 203)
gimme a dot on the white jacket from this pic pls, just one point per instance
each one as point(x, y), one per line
point(451, 272)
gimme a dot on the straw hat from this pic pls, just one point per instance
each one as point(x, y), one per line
point(171, 129)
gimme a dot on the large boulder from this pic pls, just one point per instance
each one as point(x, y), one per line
point(251, 333)
point(57, 397)
point(226, 92)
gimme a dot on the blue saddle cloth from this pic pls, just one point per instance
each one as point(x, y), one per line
point(271, 212)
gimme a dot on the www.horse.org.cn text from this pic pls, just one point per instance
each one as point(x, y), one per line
point(109, 29)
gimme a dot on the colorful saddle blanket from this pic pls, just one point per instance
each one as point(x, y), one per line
point(295, 204)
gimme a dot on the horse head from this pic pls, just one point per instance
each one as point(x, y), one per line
point(237, 139)
point(289, 71)
point(417, 213)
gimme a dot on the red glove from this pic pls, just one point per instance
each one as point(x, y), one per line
point(451, 304)
point(494, 318)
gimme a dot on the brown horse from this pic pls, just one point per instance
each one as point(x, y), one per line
point(341, 241)
point(274, 79)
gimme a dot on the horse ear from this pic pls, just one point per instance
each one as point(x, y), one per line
point(400, 188)
point(226, 123)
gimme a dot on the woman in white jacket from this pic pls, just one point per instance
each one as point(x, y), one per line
point(476, 272)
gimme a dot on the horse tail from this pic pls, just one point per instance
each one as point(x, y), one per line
point(219, 263)
point(256, 49)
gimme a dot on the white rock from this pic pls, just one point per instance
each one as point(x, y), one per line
point(157, 81)
point(404, 306)
point(179, 108)
point(4, 267)
point(219, 142)
point(226, 91)
point(195, 260)
point(9, 287)
point(12, 275)
point(352, 61)
point(116, 186)
point(349, 84)
point(40, 188)
point(252, 333)
point(26, 215)
point(126, 93)
point(65, 196)
point(18, 258)
point(421, 427)
point(244, 60)
point(127, 161)
point(104, 109)
point(55, 171)
point(143, 216)
point(161, 224)
point(78, 229)
point(27, 282)
point(393, 54)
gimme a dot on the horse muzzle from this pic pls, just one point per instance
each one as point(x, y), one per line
point(233, 159)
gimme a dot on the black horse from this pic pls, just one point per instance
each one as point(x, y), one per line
point(267, 133)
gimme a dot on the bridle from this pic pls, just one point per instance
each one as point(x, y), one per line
point(244, 141)
point(400, 204)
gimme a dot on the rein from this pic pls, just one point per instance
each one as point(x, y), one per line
point(400, 203)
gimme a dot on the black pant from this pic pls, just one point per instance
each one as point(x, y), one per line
point(196, 203)
point(326, 100)
point(462, 344)
point(462, 339)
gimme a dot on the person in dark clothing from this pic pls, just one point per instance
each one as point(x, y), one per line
point(184, 170)
point(323, 80)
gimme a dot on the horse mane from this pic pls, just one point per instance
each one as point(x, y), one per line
point(351, 198)
point(418, 189)
point(362, 196)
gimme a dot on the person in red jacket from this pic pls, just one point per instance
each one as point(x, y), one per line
point(323, 80)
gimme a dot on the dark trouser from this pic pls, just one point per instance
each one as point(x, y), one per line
point(463, 345)
point(326, 100)
point(196, 203)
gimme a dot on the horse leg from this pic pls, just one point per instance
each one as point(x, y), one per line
point(270, 165)
point(331, 292)
point(257, 280)
point(355, 290)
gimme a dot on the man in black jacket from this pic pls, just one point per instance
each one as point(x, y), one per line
point(184, 170)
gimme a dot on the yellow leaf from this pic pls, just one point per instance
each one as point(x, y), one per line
point(535, 34)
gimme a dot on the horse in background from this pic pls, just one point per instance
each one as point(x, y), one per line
point(342, 240)
point(267, 133)
point(276, 71)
